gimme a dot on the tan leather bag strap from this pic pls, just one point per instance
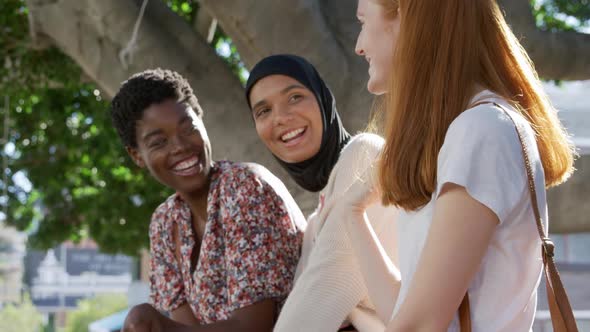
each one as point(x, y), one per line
point(562, 316)
point(465, 314)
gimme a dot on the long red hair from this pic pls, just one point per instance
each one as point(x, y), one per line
point(444, 51)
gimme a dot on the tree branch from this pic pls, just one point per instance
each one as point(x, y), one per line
point(263, 27)
point(205, 25)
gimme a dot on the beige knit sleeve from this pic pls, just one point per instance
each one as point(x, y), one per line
point(372, 234)
point(330, 285)
point(357, 161)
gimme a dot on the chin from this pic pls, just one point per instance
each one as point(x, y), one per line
point(190, 184)
point(376, 88)
point(290, 160)
point(294, 158)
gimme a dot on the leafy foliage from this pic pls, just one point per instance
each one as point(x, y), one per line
point(22, 317)
point(562, 15)
point(68, 175)
point(90, 310)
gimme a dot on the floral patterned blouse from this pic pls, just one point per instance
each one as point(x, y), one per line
point(249, 250)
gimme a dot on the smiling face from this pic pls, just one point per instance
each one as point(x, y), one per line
point(172, 144)
point(287, 117)
point(376, 42)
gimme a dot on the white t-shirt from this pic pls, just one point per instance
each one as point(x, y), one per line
point(482, 153)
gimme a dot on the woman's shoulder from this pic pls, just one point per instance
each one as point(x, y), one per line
point(361, 151)
point(236, 174)
point(163, 213)
point(482, 152)
point(253, 184)
point(251, 178)
point(488, 130)
point(372, 143)
point(357, 157)
point(495, 118)
point(165, 207)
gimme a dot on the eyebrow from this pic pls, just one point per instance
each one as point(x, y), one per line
point(158, 131)
point(284, 91)
point(152, 133)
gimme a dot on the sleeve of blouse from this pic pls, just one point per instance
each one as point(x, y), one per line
point(262, 243)
point(331, 285)
point(482, 153)
point(166, 285)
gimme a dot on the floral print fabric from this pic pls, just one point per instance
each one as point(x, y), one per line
point(248, 253)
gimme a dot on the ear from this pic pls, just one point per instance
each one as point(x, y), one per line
point(135, 156)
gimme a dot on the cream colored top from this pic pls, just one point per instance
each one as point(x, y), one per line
point(329, 286)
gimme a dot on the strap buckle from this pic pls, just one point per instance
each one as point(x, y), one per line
point(548, 247)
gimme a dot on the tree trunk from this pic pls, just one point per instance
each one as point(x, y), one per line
point(324, 31)
point(556, 55)
point(569, 210)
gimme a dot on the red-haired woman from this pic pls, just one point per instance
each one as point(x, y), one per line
point(453, 76)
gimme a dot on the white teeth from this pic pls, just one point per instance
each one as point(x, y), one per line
point(186, 164)
point(292, 134)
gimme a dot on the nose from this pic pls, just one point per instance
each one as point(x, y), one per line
point(358, 49)
point(179, 145)
point(282, 115)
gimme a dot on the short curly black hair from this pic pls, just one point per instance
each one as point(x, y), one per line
point(143, 89)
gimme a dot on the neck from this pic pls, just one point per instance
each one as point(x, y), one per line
point(197, 200)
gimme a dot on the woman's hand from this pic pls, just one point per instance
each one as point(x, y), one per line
point(144, 318)
point(362, 193)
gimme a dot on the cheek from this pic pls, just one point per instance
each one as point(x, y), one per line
point(373, 36)
point(264, 131)
point(318, 126)
point(393, 37)
point(385, 51)
point(385, 58)
point(381, 37)
point(392, 32)
point(154, 161)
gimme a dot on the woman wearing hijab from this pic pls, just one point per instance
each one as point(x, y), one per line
point(295, 116)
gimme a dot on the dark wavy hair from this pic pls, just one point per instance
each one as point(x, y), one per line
point(143, 89)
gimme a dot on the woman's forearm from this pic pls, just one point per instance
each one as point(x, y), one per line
point(329, 287)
